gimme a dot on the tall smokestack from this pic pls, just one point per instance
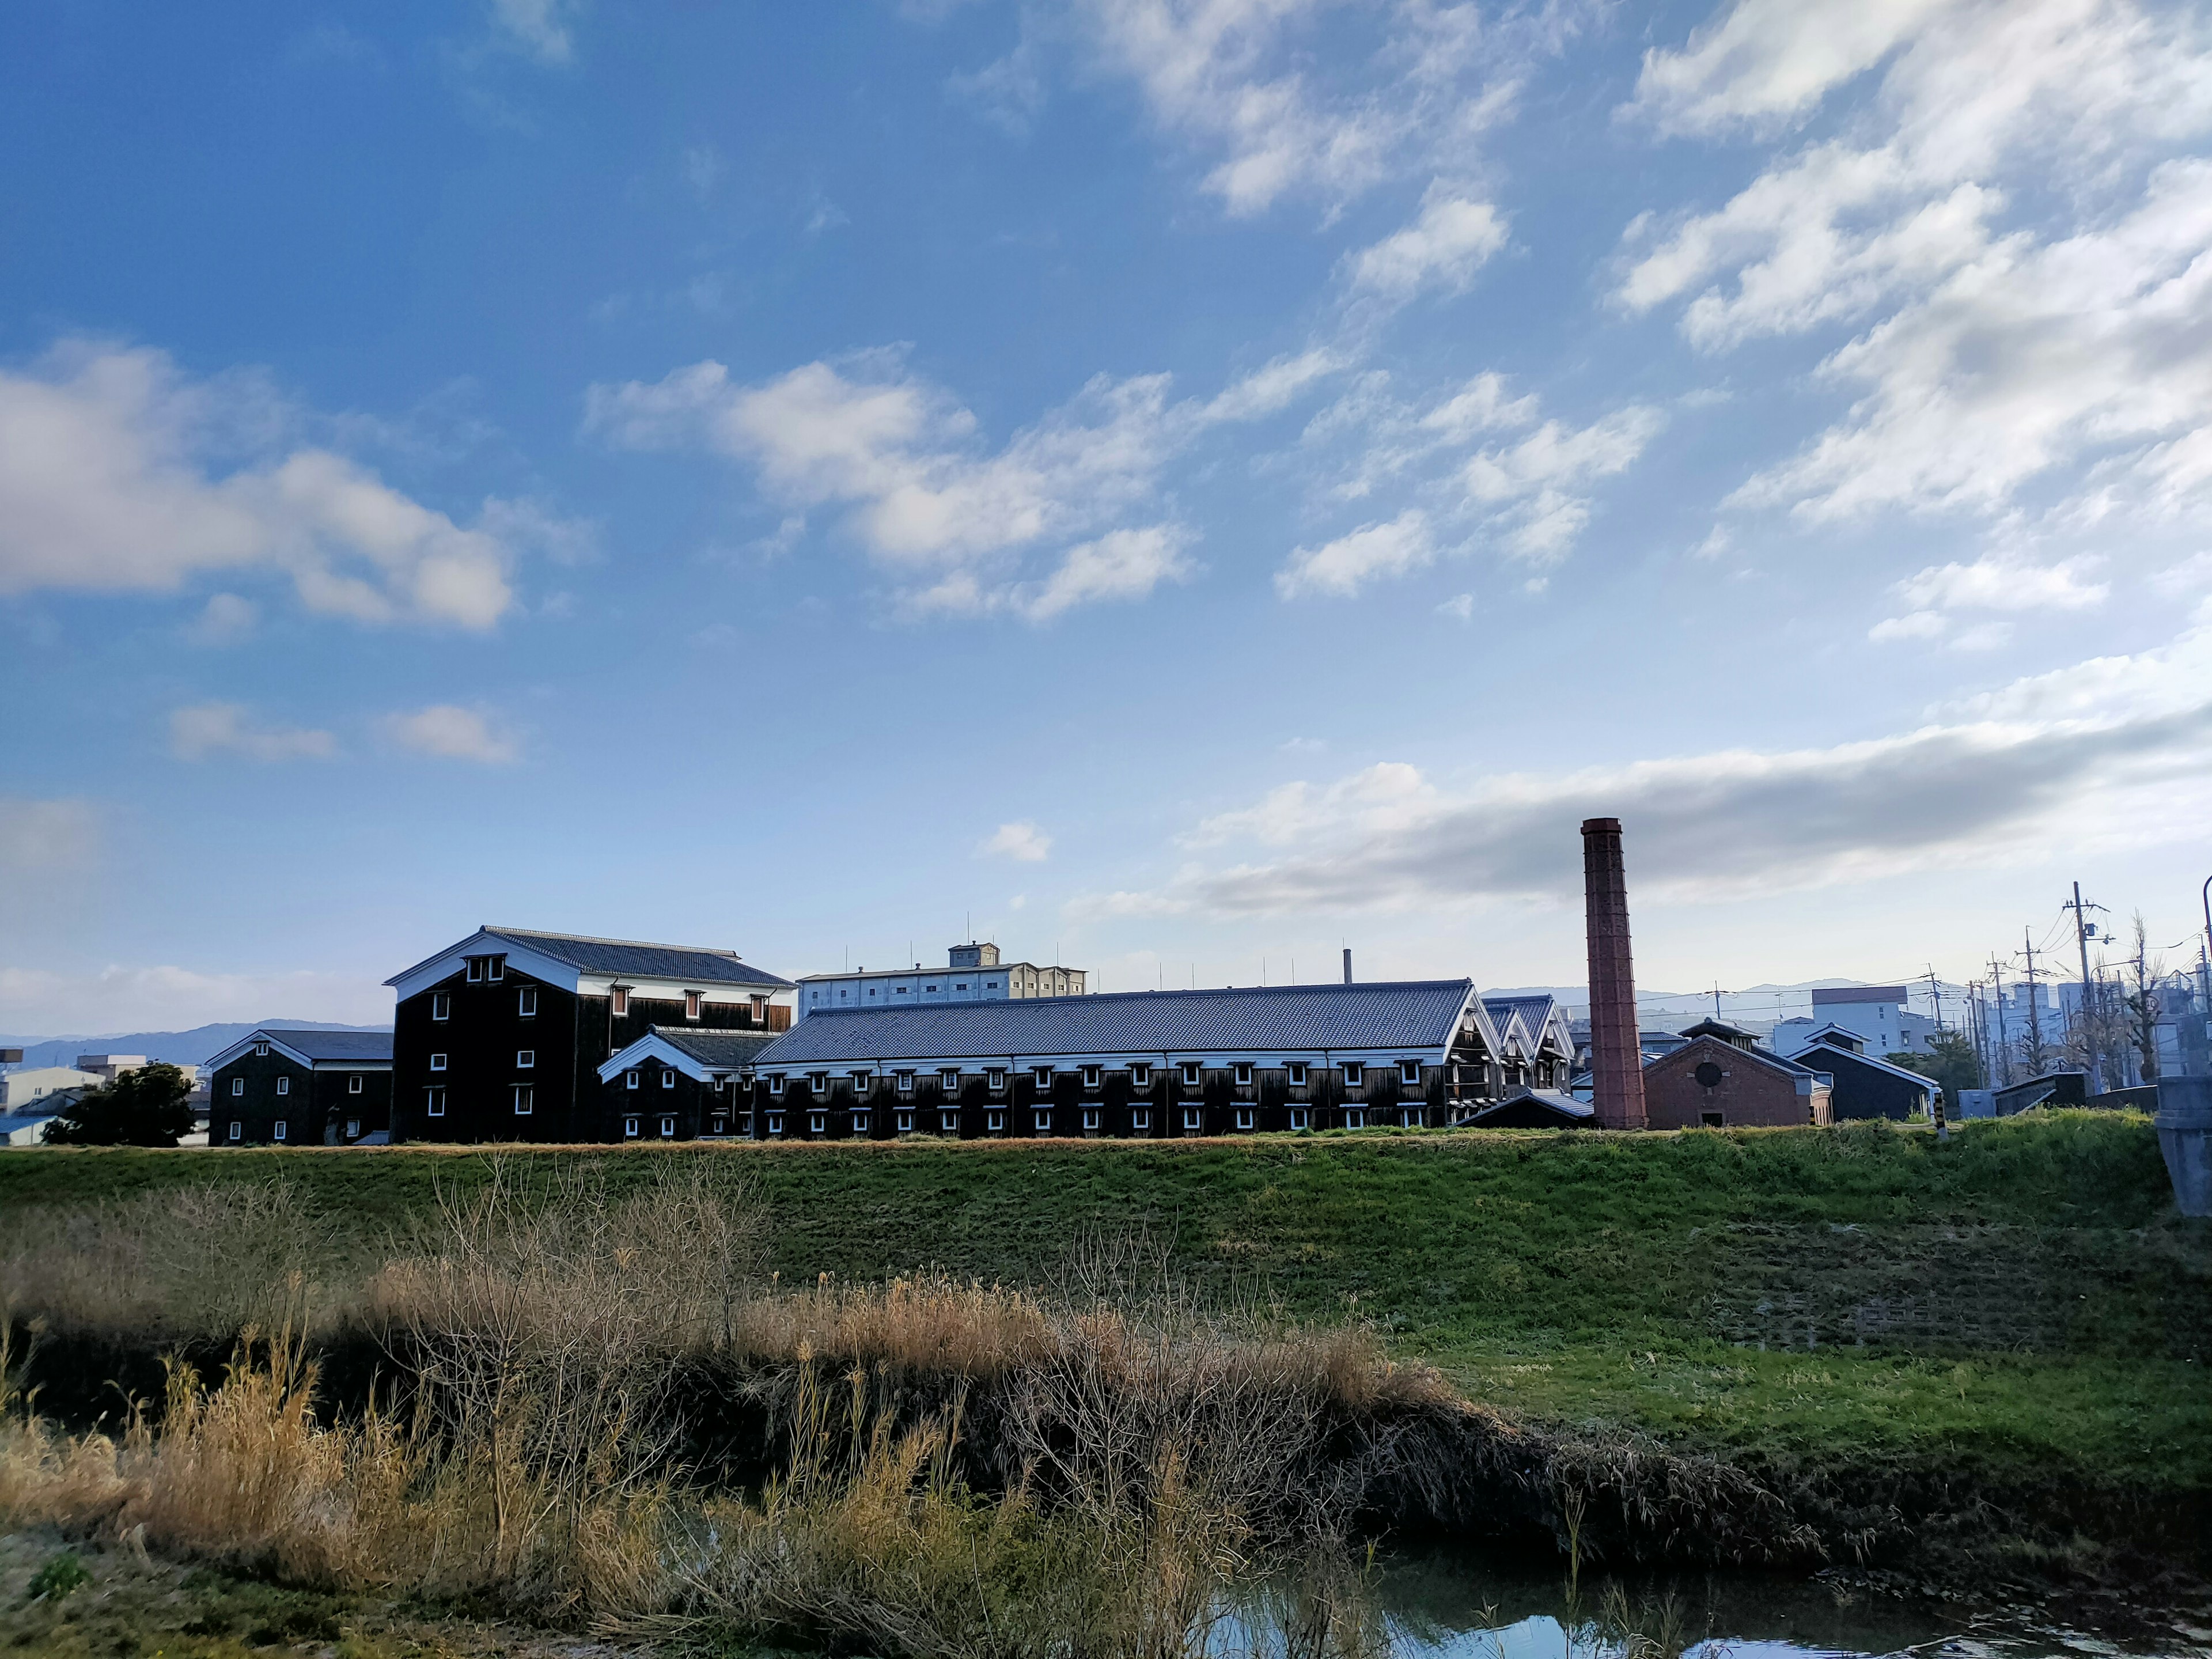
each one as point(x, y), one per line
point(1616, 1058)
point(1347, 964)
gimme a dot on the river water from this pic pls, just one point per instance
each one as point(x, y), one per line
point(1439, 1607)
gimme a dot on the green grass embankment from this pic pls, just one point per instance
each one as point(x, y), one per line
point(2019, 1306)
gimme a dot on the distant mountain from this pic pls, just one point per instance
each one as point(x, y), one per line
point(193, 1048)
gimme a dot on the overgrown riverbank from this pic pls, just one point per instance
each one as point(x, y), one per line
point(1989, 1353)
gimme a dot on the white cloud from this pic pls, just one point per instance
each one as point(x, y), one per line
point(2112, 753)
point(1913, 625)
point(1343, 567)
point(107, 484)
point(956, 522)
point(1460, 607)
point(1537, 488)
point(223, 728)
point(539, 29)
point(1454, 238)
point(167, 997)
point(1766, 61)
point(225, 619)
point(38, 835)
point(449, 731)
point(1994, 583)
point(1022, 842)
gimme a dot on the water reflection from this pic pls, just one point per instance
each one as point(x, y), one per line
point(1437, 1607)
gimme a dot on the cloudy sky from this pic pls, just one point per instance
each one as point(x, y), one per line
point(1189, 485)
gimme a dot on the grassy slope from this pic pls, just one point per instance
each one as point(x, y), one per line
point(2035, 1305)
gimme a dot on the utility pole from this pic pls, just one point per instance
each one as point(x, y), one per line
point(1977, 1027)
point(2003, 1074)
point(2081, 931)
point(1716, 1002)
point(1935, 992)
point(2034, 1008)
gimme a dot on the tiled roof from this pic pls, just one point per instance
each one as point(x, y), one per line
point(1412, 1016)
point(714, 1048)
point(620, 956)
point(330, 1045)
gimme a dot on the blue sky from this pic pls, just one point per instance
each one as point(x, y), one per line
point(1190, 484)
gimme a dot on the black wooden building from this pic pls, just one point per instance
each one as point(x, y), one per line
point(280, 1085)
point(500, 1037)
point(1141, 1065)
point(1865, 1087)
point(679, 1084)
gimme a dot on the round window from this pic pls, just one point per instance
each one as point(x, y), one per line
point(1708, 1075)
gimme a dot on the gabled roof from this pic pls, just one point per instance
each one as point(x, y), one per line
point(1535, 1108)
point(1721, 1032)
point(690, 1050)
point(1412, 1016)
point(1832, 1036)
point(1846, 1059)
point(1535, 1015)
point(700, 964)
point(312, 1048)
point(1761, 1056)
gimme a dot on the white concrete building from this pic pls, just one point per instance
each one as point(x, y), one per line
point(973, 974)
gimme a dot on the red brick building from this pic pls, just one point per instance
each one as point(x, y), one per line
point(1720, 1078)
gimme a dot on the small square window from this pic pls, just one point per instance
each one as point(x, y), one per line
point(261, 1050)
point(284, 1085)
point(434, 1102)
point(718, 1125)
point(775, 1123)
point(475, 969)
point(1090, 1117)
point(1244, 1117)
point(437, 1062)
point(629, 1128)
point(238, 1085)
point(1409, 1073)
point(1300, 1117)
point(1710, 1119)
point(948, 1122)
point(278, 1133)
point(495, 969)
point(860, 1080)
point(1140, 1077)
point(905, 1123)
point(1193, 1118)
point(525, 1058)
point(668, 1128)
point(1090, 1076)
point(906, 1083)
point(949, 1081)
point(1043, 1076)
point(1356, 1118)
point(618, 1000)
point(525, 1002)
point(1297, 1073)
point(775, 1083)
point(996, 1079)
point(1354, 1074)
point(354, 1083)
point(237, 1130)
point(817, 1123)
point(667, 1079)
point(630, 1080)
point(1243, 1074)
point(691, 1005)
point(441, 1005)
point(1141, 1119)
point(995, 1121)
point(859, 1123)
point(1043, 1122)
point(1190, 1074)
point(525, 1100)
point(353, 1128)
point(819, 1082)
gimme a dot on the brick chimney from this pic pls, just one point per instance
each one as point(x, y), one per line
point(1616, 1060)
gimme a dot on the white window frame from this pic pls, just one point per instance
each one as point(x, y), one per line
point(494, 970)
point(906, 1083)
point(860, 1122)
point(818, 1123)
point(1091, 1116)
point(277, 1130)
point(525, 1100)
point(618, 1002)
point(668, 1125)
point(284, 1085)
point(630, 1080)
point(1193, 1074)
point(442, 1005)
point(437, 1062)
point(1245, 1117)
point(433, 1103)
point(1355, 1117)
point(237, 1086)
point(1301, 1117)
point(949, 1079)
point(776, 1084)
point(475, 969)
point(668, 1077)
point(818, 1084)
point(237, 1130)
point(526, 1003)
point(1243, 1074)
point(719, 1122)
point(354, 1083)
point(526, 1060)
point(1141, 1118)
point(1296, 1073)
point(994, 1123)
point(694, 1003)
point(1042, 1076)
point(862, 1081)
point(631, 1125)
point(261, 1051)
point(996, 1078)
point(903, 1123)
point(1355, 1074)
point(775, 1123)
point(1093, 1076)
point(353, 1128)
point(1140, 1077)
point(1041, 1120)
point(1194, 1117)
point(1409, 1073)
point(948, 1123)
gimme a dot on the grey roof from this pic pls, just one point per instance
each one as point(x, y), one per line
point(330, 1045)
point(1412, 1015)
point(731, 1048)
point(701, 965)
point(1534, 1012)
point(1832, 1056)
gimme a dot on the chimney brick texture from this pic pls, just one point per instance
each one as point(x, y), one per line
point(1616, 1056)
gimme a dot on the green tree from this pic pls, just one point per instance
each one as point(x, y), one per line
point(1950, 1061)
point(146, 1106)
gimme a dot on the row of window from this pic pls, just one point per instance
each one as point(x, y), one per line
point(526, 1003)
point(1041, 1120)
point(1140, 1077)
point(284, 1084)
point(281, 1130)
